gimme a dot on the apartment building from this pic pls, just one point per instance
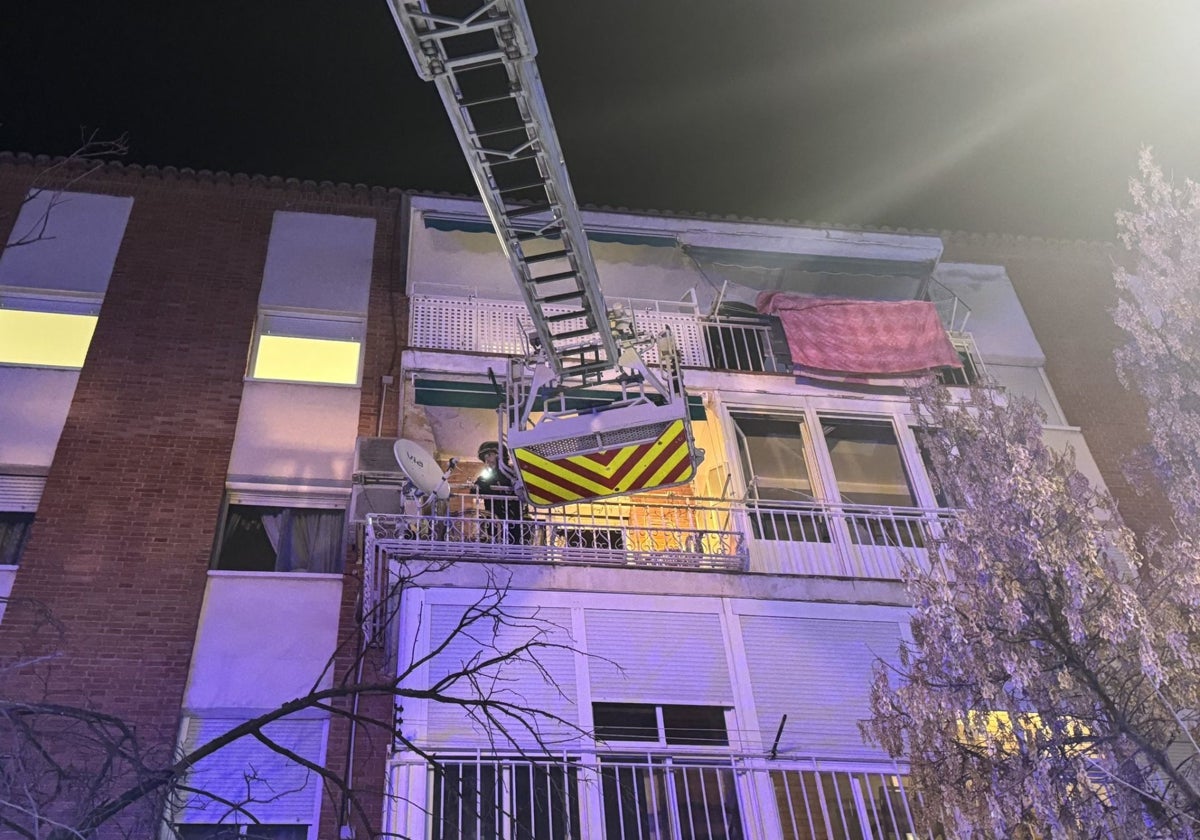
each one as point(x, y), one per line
point(204, 378)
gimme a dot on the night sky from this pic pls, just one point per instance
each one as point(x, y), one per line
point(1008, 116)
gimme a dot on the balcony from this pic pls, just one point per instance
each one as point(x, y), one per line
point(652, 531)
point(457, 320)
point(628, 797)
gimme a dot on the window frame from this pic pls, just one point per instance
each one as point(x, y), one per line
point(822, 477)
point(235, 499)
point(51, 302)
point(324, 326)
point(661, 742)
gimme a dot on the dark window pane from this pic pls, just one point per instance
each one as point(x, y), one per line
point(867, 462)
point(698, 725)
point(14, 534)
point(772, 453)
point(625, 721)
point(198, 831)
point(245, 543)
point(256, 538)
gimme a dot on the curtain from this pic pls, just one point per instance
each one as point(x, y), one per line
point(316, 542)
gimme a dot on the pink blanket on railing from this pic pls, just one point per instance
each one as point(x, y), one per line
point(861, 336)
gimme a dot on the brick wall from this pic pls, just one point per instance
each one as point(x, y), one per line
point(123, 538)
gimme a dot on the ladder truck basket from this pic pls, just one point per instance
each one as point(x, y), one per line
point(623, 447)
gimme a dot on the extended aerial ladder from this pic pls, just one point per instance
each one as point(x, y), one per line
point(566, 446)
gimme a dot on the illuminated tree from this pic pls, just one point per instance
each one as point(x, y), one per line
point(1050, 688)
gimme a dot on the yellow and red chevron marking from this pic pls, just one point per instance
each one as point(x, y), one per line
point(629, 469)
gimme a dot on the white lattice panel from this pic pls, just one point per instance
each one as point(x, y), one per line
point(443, 323)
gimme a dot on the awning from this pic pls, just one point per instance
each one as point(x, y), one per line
point(457, 394)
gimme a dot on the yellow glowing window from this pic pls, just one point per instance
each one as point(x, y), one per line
point(293, 348)
point(45, 333)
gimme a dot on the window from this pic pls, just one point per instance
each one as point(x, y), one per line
point(258, 538)
point(213, 831)
point(778, 475)
point(773, 459)
point(667, 725)
point(14, 533)
point(302, 348)
point(499, 799)
point(46, 331)
point(867, 462)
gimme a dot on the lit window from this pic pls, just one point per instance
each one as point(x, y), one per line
point(298, 348)
point(46, 331)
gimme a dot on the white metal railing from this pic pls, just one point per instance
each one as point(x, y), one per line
point(642, 530)
point(459, 321)
point(652, 797)
point(654, 532)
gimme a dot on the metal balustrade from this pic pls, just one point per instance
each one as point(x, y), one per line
point(462, 322)
point(653, 797)
point(655, 533)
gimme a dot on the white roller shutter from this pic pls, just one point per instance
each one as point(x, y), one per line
point(548, 685)
point(268, 785)
point(663, 657)
point(21, 493)
point(818, 673)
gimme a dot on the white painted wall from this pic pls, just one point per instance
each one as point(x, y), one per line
point(1064, 437)
point(263, 639)
point(33, 410)
point(998, 323)
point(77, 248)
point(295, 431)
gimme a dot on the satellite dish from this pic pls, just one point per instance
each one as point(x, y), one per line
point(421, 469)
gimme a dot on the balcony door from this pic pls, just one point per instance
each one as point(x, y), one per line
point(828, 493)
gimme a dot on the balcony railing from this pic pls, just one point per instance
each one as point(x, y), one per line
point(653, 532)
point(650, 797)
point(696, 534)
point(462, 322)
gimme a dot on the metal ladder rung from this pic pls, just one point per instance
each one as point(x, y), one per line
point(566, 316)
point(496, 132)
point(529, 186)
point(546, 257)
point(528, 211)
point(567, 336)
point(563, 296)
point(485, 100)
point(550, 278)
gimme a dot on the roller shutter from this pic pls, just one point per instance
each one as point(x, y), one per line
point(21, 493)
point(268, 785)
point(818, 673)
point(663, 657)
point(548, 685)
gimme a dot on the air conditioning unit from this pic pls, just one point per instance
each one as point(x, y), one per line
point(375, 462)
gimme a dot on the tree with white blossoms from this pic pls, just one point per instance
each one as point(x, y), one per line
point(1052, 685)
